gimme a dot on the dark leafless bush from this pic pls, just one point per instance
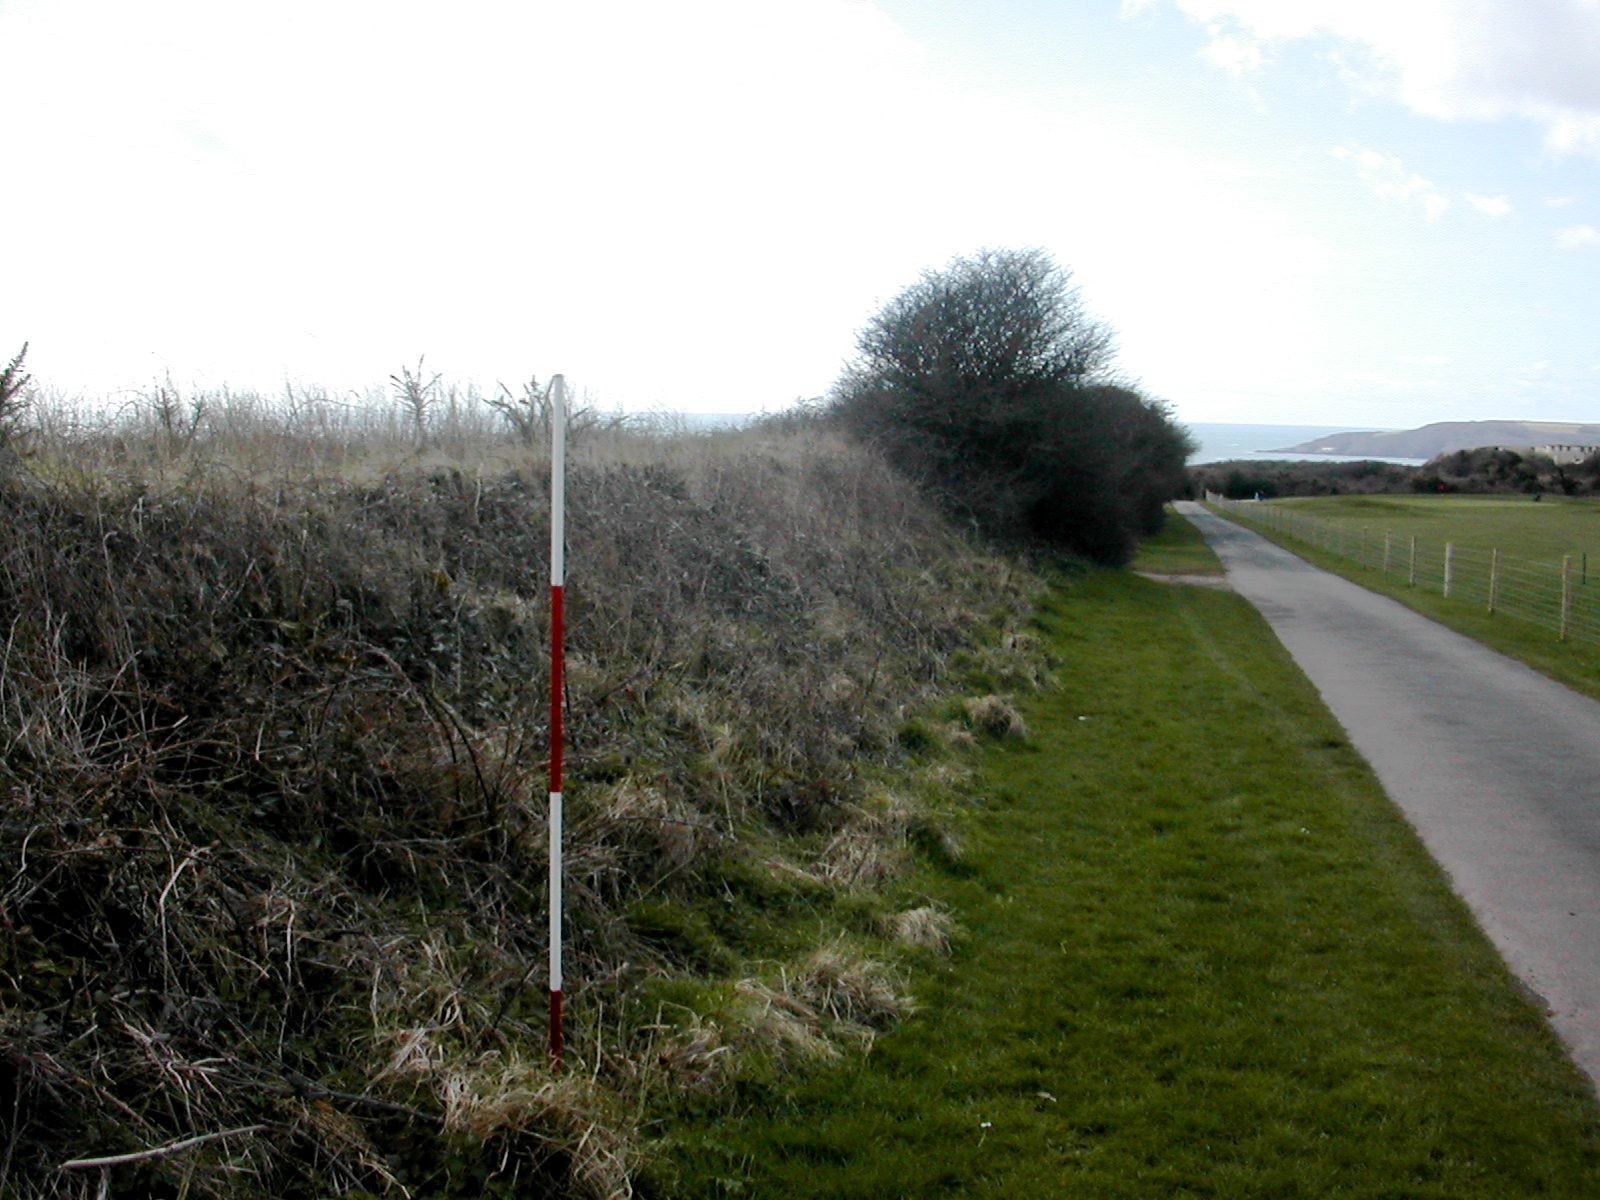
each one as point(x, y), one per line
point(15, 401)
point(177, 422)
point(416, 394)
point(529, 412)
point(526, 411)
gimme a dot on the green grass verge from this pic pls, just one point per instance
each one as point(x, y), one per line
point(1202, 955)
point(1574, 663)
point(1179, 549)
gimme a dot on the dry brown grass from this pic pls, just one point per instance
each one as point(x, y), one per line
point(850, 987)
point(926, 927)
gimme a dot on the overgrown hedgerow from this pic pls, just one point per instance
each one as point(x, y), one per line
point(272, 844)
point(988, 383)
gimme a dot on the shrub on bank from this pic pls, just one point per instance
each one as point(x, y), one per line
point(989, 385)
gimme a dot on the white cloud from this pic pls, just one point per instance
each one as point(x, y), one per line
point(1533, 375)
point(1560, 201)
point(1235, 55)
point(1388, 177)
point(1450, 59)
point(1490, 206)
point(1575, 237)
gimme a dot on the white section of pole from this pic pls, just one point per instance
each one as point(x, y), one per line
point(555, 893)
point(558, 482)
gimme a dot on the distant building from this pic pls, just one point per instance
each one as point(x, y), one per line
point(1567, 452)
point(1561, 453)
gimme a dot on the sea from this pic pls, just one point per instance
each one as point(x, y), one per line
point(1221, 443)
point(1218, 442)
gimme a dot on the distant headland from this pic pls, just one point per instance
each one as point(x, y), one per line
point(1442, 437)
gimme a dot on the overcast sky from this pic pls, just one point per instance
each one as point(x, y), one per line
point(1341, 212)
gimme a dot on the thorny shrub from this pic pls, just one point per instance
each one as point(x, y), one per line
point(272, 845)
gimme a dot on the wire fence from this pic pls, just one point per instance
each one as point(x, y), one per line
point(1557, 597)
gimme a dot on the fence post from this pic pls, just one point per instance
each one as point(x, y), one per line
point(1494, 578)
point(1566, 594)
point(1449, 562)
point(1387, 538)
point(1411, 572)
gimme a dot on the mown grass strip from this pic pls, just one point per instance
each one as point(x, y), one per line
point(1202, 956)
point(1573, 663)
point(1178, 549)
point(1514, 525)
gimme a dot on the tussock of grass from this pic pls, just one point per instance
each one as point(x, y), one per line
point(689, 1058)
point(927, 926)
point(1202, 955)
point(850, 988)
point(995, 716)
point(781, 1024)
point(868, 850)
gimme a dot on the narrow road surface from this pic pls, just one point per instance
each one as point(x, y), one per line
point(1497, 767)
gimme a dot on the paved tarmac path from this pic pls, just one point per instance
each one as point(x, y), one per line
point(1497, 767)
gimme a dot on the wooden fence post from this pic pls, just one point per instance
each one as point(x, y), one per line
point(1449, 562)
point(1494, 578)
point(1566, 594)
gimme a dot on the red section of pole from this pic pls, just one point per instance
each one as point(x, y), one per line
point(555, 1029)
point(558, 671)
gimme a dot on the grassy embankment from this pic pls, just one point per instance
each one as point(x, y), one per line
point(1514, 525)
point(1199, 953)
point(272, 743)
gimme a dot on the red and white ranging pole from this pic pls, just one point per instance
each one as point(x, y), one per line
point(558, 580)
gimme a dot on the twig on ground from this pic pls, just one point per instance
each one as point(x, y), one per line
point(116, 1160)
